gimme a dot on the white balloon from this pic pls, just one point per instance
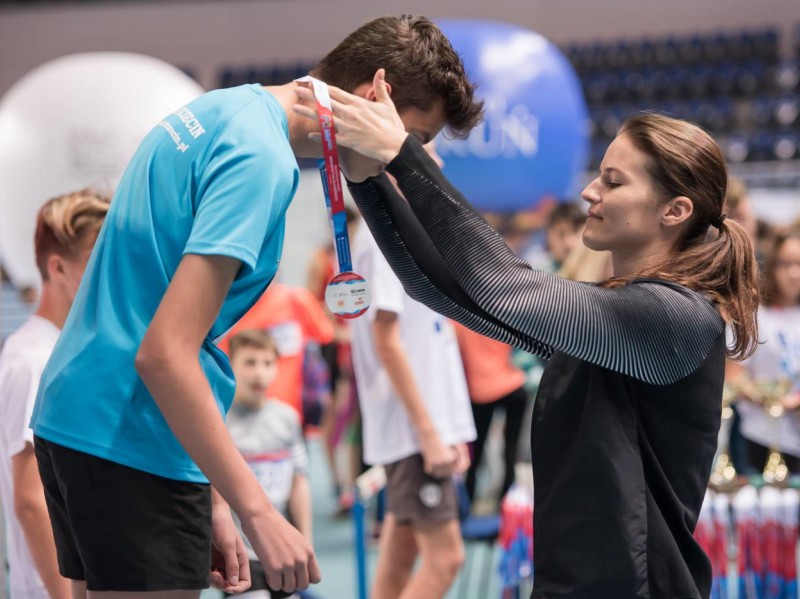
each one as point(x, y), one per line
point(71, 123)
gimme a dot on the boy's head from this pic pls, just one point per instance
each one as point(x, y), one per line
point(421, 67)
point(425, 76)
point(563, 230)
point(66, 229)
point(254, 360)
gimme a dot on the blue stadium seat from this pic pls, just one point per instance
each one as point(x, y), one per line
point(785, 145)
point(785, 110)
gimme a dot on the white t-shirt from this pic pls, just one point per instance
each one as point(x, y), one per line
point(270, 439)
point(777, 358)
point(430, 344)
point(22, 360)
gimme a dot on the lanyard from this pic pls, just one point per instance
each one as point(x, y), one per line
point(331, 175)
point(347, 294)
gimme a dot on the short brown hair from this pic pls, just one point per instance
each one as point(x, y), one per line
point(568, 212)
point(421, 67)
point(252, 338)
point(67, 225)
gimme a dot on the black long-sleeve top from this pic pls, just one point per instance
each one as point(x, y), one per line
point(626, 420)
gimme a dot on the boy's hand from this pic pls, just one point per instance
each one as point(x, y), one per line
point(288, 558)
point(230, 566)
point(791, 400)
point(438, 459)
point(463, 460)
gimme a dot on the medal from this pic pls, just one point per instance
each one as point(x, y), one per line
point(347, 294)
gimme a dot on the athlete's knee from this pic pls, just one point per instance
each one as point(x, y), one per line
point(447, 562)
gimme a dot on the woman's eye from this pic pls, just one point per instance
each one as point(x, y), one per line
point(612, 184)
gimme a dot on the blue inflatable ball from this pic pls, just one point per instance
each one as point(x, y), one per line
point(533, 142)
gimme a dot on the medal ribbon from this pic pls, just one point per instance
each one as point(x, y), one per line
point(331, 174)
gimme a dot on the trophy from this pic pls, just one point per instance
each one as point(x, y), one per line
point(772, 393)
point(724, 473)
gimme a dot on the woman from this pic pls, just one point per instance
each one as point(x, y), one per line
point(775, 362)
point(626, 419)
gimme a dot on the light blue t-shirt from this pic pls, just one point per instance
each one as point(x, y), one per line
point(215, 178)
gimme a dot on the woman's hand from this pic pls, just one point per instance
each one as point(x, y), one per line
point(373, 128)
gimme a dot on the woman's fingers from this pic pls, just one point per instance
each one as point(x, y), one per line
point(305, 111)
point(381, 89)
point(343, 97)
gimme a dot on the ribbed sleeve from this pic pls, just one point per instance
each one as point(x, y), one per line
point(450, 259)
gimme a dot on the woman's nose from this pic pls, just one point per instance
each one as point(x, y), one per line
point(590, 193)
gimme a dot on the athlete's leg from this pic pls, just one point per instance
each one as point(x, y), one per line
point(396, 556)
point(441, 554)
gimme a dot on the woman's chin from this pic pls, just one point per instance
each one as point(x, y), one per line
point(593, 243)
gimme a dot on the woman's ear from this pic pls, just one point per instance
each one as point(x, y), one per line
point(677, 211)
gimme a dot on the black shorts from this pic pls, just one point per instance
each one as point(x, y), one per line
point(414, 496)
point(122, 529)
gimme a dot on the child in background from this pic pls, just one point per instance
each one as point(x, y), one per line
point(268, 434)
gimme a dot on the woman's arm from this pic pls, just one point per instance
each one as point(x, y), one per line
point(449, 258)
point(168, 363)
point(650, 330)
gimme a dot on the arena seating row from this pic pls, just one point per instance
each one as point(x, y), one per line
point(715, 48)
point(735, 84)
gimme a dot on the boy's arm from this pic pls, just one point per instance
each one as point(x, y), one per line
point(168, 363)
point(300, 505)
point(439, 460)
point(31, 511)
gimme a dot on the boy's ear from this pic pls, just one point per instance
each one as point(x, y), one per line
point(55, 265)
point(371, 95)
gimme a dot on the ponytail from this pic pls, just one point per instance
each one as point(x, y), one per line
point(724, 269)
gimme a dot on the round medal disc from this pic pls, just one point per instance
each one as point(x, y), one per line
point(347, 295)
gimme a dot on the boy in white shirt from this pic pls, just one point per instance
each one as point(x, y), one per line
point(66, 229)
point(416, 421)
point(269, 435)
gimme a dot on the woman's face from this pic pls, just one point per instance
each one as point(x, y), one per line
point(624, 215)
point(787, 272)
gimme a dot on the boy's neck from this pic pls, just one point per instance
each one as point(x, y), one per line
point(299, 127)
point(52, 306)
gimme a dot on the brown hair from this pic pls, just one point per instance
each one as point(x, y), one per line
point(67, 225)
point(769, 288)
point(252, 338)
point(421, 67)
point(685, 161)
point(569, 212)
